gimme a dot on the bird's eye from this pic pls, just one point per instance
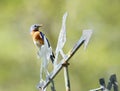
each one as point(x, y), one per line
point(35, 26)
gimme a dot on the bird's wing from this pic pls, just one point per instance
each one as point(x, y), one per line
point(42, 36)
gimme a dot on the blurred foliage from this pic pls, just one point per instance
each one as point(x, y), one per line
point(19, 66)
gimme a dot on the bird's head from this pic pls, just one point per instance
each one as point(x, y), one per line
point(35, 27)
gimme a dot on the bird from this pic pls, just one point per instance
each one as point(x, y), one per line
point(38, 38)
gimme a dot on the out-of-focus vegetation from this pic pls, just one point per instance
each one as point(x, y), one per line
point(19, 66)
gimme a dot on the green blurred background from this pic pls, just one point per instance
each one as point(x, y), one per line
point(19, 66)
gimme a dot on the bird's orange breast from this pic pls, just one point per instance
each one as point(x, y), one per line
point(36, 37)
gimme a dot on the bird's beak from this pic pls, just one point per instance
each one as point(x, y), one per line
point(40, 25)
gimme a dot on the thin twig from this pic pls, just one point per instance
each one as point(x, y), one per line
point(66, 77)
point(52, 85)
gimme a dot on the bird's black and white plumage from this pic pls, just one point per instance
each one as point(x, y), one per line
point(39, 38)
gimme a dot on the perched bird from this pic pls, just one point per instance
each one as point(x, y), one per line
point(38, 38)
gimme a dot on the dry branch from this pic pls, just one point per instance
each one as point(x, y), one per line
point(60, 65)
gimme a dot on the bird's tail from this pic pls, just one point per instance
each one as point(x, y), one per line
point(52, 57)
